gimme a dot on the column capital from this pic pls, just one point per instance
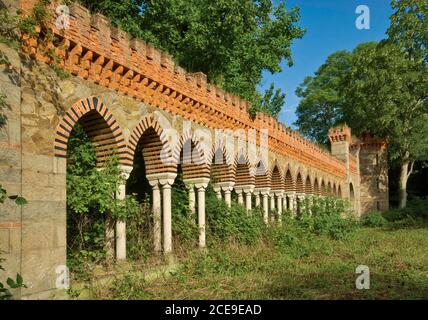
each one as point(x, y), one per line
point(278, 192)
point(197, 182)
point(161, 178)
point(225, 186)
point(261, 191)
point(245, 188)
point(125, 171)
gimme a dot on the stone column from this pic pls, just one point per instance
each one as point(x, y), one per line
point(265, 206)
point(272, 206)
point(201, 213)
point(166, 180)
point(291, 202)
point(157, 216)
point(279, 205)
point(240, 196)
point(217, 191)
point(247, 199)
point(121, 225)
point(227, 188)
point(192, 198)
point(257, 195)
point(200, 185)
point(228, 197)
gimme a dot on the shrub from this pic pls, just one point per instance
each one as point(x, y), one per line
point(374, 219)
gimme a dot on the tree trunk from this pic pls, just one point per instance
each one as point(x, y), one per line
point(404, 176)
point(403, 184)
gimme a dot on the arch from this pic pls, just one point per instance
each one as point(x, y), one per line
point(243, 174)
point(190, 155)
point(290, 186)
point(317, 190)
point(308, 186)
point(262, 178)
point(299, 184)
point(329, 189)
point(339, 191)
point(323, 188)
point(221, 164)
point(99, 124)
point(276, 178)
point(156, 150)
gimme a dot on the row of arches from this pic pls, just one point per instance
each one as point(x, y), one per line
point(161, 162)
point(107, 137)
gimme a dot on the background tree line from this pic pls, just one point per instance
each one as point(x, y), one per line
point(380, 88)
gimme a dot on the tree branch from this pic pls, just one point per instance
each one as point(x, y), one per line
point(411, 169)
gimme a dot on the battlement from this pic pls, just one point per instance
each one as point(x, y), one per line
point(341, 133)
point(93, 49)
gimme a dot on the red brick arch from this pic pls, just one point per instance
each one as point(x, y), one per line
point(262, 176)
point(308, 186)
point(156, 150)
point(195, 164)
point(243, 171)
point(100, 125)
point(290, 185)
point(223, 170)
point(276, 178)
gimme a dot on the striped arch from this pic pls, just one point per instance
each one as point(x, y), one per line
point(243, 172)
point(289, 183)
point(100, 125)
point(339, 191)
point(329, 189)
point(276, 178)
point(323, 188)
point(262, 177)
point(299, 184)
point(334, 189)
point(156, 150)
point(308, 186)
point(189, 153)
point(222, 169)
point(317, 190)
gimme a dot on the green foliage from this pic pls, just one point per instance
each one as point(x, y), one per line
point(5, 293)
point(235, 224)
point(271, 103)
point(9, 25)
point(91, 200)
point(327, 216)
point(3, 105)
point(374, 219)
point(409, 25)
point(321, 105)
point(230, 41)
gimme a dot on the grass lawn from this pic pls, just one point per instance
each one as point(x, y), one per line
point(315, 267)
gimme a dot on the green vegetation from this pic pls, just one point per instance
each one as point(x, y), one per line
point(292, 262)
point(378, 88)
point(232, 41)
point(5, 289)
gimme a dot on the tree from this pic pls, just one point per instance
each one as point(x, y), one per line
point(271, 102)
point(321, 103)
point(409, 25)
point(375, 89)
point(386, 95)
point(232, 41)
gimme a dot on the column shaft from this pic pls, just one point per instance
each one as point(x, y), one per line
point(157, 225)
point(201, 217)
point(167, 227)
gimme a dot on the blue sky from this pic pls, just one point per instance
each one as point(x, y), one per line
point(330, 26)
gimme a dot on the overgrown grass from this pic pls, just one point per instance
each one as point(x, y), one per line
point(247, 260)
point(296, 265)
